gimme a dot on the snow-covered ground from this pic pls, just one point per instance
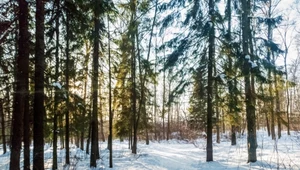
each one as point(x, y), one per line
point(186, 155)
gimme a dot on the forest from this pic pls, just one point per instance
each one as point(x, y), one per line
point(91, 84)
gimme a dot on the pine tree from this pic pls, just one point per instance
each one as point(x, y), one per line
point(94, 120)
point(39, 110)
point(211, 56)
point(249, 95)
point(21, 89)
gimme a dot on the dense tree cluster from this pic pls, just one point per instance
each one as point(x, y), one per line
point(80, 71)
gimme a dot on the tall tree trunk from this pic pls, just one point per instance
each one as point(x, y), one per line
point(16, 38)
point(270, 71)
point(7, 110)
point(169, 109)
point(95, 74)
point(88, 141)
point(133, 26)
point(86, 69)
point(56, 97)
point(277, 106)
point(287, 91)
point(20, 88)
point(147, 70)
point(67, 117)
point(211, 55)
point(26, 118)
point(268, 124)
point(39, 110)
point(164, 98)
point(217, 105)
point(250, 105)
point(110, 99)
point(231, 84)
point(223, 121)
point(26, 133)
point(271, 106)
point(155, 95)
point(3, 126)
point(265, 112)
point(61, 134)
point(101, 115)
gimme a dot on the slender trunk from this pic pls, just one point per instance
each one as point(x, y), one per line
point(3, 126)
point(277, 106)
point(218, 125)
point(67, 125)
point(155, 91)
point(39, 110)
point(250, 105)
point(130, 139)
point(26, 134)
point(287, 92)
point(94, 145)
point(86, 68)
point(143, 80)
point(272, 109)
point(233, 135)
point(55, 130)
point(26, 116)
point(217, 105)
point(155, 107)
point(164, 96)
point(169, 106)
point(16, 37)
point(147, 136)
point(61, 134)
point(223, 122)
point(88, 141)
point(231, 84)
point(268, 124)
point(211, 55)
point(8, 114)
point(133, 25)
point(101, 116)
point(56, 97)
point(270, 71)
point(110, 99)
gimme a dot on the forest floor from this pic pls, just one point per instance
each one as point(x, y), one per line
point(186, 155)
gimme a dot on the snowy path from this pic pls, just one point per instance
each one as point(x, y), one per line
point(183, 155)
point(172, 156)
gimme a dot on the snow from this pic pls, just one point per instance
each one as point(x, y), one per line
point(222, 76)
point(247, 57)
point(253, 64)
point(283, 153)
point(57, 84)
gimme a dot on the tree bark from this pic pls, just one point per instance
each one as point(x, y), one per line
point(39, 110)
point(101, 115)
point(94, 121)
point(169, 110)
point(211, 55)
point(277, 106)
point(3, 126)
point(270, 71)
point(110, 100)
point(55, 129)
point(135, 119)
point(20, 88)
point(67, 117)
point(249, 95)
